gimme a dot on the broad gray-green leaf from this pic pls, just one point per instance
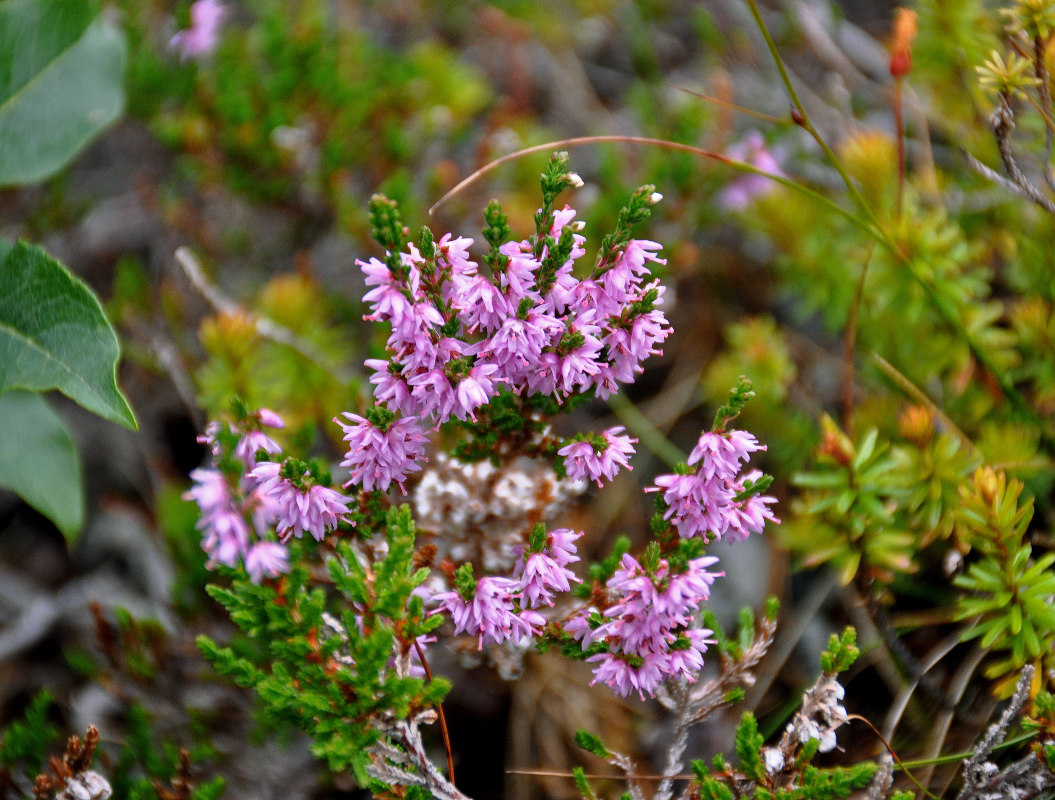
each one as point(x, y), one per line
point(61, 71)
point(54, 335)
point(39, 461)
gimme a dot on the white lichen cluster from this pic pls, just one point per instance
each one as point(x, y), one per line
point(480, 513)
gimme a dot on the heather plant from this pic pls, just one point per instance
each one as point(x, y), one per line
point(437, 540)
point(487, 359)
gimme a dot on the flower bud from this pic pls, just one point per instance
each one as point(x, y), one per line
point(916, 424)
point(901, 42)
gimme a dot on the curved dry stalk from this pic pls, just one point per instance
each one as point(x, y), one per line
point(731, 106)
point(743, 166)
point(917, 394)
point(269, 329)
point(940, 731)
point(926, 664)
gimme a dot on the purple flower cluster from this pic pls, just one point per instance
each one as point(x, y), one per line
point(649, 631)
point(383, 453)
point(502, 608)
point(599, 456)
point(703, 502)
point(239, 514)
point(543, 572)
point(300, 505)
point(459, 336)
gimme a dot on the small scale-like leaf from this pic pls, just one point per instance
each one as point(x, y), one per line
point(61, 83)
point(54, 335)
point(39, 461)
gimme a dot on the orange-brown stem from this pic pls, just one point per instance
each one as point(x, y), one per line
point(443, 717)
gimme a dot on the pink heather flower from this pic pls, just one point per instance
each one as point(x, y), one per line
point(685, 591)
point(561, 294)
point(561, 545)
point(270, 419)
point(516, 345)
point(432, 394)
point(622, 281)
point(540, 576)
point(266, 560)
point(561, 218)
point(579, 626)
point(695, 505)
point(211, 437)
point(739, 193)
point(251, 444)
point(390, 387)
point(581, 460)
point(648, 330)
point(543, 379)
point(481, 304)
point(474, 390)
point(638, 251)
point(426, 355)
point(687, 661)
point(647, 630)
point(379, 458)
point(543, 573)
point(210, 491)
point(387, 298)
point(580, 365)
point(225, 537)
point(518, 279)
point(225, 534)
point(413, 329)
point(615, 670)
point(750, 515)
point(723, 454)
point(316, 510)
point(455, 254)
point(589, 294)
point(491, 613)
point(201, 37)
point(704, 502)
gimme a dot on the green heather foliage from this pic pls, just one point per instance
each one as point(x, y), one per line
point(333, 684)
point(27, 741)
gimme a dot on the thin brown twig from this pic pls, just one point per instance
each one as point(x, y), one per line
point(917, 394)
point(1003, 122)
point(893, 755)
point(899, 122)
point(850, 349)
point(443, 717)
point(573, 142)
point(1041, 71)
point(267, 328)
point(732, 106)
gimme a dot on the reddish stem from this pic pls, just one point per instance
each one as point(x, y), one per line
point(443, 718)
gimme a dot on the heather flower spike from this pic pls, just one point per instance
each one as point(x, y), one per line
point(709, 498)
point(600, 456)
point(382, 450)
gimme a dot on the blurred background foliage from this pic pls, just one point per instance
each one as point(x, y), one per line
point(902, 349)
